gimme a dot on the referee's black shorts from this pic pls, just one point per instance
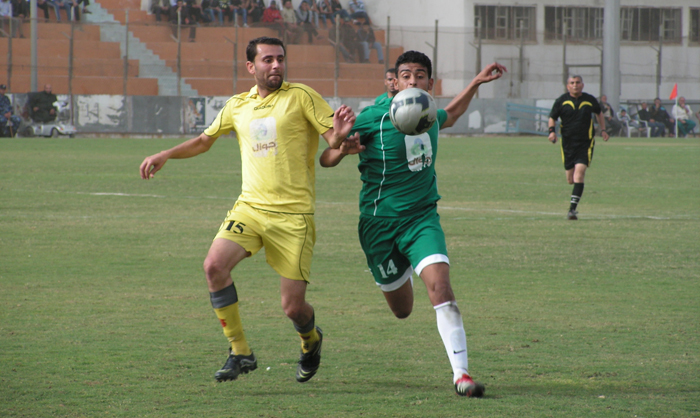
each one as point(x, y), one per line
point(577, 152)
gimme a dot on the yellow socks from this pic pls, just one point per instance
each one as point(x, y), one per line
point(233, 328)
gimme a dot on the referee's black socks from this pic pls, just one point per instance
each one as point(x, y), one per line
point(576, 195)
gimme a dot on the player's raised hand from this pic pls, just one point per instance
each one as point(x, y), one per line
point(343, 120)
point(351, 145)
point(491, 72)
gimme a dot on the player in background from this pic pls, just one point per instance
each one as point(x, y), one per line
point(277, 124)
point(576, 109)
point(399, 225)
point(390, 83)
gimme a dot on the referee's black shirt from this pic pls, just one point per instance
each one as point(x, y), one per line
point(576, 116)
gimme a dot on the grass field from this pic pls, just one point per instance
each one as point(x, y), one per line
point(104, 309)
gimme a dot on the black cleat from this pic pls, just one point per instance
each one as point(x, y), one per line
point(465, 386)
point(572, 215)
point(309, 362)
point(236, 365)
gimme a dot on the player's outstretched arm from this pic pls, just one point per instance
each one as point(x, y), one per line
point(193, 147)
point(459, 104)
point(343, 121)
point(332, 157)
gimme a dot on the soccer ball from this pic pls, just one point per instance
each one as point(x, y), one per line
point(413, 111)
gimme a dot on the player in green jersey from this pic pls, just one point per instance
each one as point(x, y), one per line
point(399, 226)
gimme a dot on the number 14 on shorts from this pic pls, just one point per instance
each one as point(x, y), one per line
point(390, 269)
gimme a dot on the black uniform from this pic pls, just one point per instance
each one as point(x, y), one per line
point(577, 133)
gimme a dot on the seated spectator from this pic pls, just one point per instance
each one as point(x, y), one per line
point(239, 8)
point(659, 114)
point(273, 18)
point(612, 125)
point(20, 11)
point(292, 30)
point(324, 11)
point(58, 4)
point(365, 36)
point(657, 128)
point(43, 5)
point(41, 105)
point(357, 11)
point(160, 8)
point(338, 10)
point(7, 19)
point(180, 15)
point(305, 19)
point(9, 123)
point(683, 114)
point(255, 11)
point(348, 44)
point(197, 11)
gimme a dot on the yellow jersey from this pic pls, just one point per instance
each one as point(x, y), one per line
point(278, 137)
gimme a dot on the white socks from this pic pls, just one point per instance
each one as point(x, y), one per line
point(451, 328)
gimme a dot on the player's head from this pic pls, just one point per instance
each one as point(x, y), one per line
point(574, 85)
point(266, 62)
point(414, 69)
point(390, 81)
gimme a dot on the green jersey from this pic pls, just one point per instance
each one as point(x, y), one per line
point(397, 170)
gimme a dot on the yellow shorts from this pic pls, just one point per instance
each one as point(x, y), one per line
point(288, 238)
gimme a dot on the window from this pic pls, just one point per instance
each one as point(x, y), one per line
point(579, 23)
point(646, 23)
point(636, 23)
point(505, 22)
point(695, 25)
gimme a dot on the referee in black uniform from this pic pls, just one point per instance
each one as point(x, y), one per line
point(576, 109)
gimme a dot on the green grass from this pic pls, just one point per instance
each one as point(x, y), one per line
point(104, 309)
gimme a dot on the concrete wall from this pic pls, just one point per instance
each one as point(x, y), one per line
point(160, 115)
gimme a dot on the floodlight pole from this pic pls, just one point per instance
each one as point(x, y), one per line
point(235, 59)
point(434, 57)
point(386, 47)
point(34, 36)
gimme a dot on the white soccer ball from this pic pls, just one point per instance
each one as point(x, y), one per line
point(413, 111)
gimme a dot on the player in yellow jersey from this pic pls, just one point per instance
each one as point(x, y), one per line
point(277, 125)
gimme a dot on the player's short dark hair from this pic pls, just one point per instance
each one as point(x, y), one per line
point(252, 49)
point(391, 70)
point(415, 57)
point(576, 76)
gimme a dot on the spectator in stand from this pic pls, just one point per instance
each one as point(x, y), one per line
point(58, 4)
point(657, 128)
point(365, 36)
point(683, 114)
point(215, 13)
point(324, 11)
point(273, 18)
point(357, 11)
point(240, 8)
point(160, 8)
point(9, 123)
point(43, 5)
point(305, 17)
point(659, 114)
point(7, 19)
point(196, 12)
point(41, 105)
point(181, 14)
point(255, 11)
point(20, 11)
point(613, 125)
point(292, 29)
point(338, 10)
point(348, 45)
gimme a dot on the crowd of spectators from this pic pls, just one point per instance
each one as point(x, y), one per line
point(656, 118)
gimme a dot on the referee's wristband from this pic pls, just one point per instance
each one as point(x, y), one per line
point(552, 129)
